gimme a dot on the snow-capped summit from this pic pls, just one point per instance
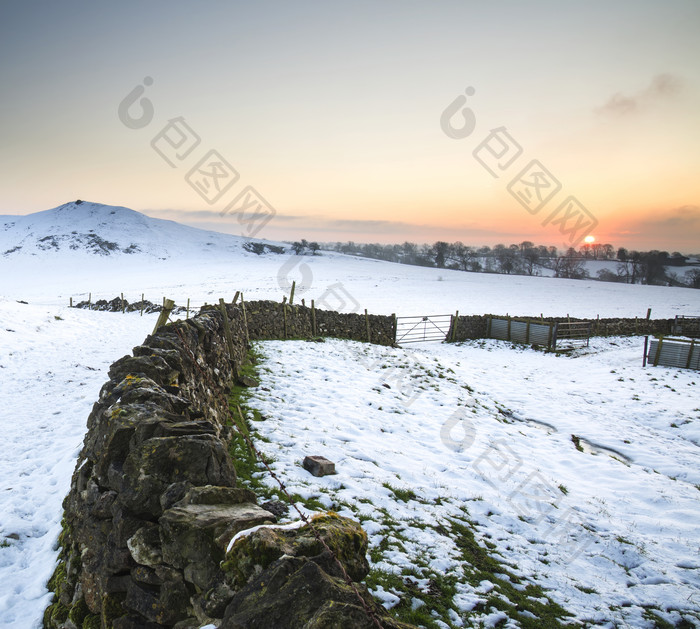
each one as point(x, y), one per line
point(86, 228)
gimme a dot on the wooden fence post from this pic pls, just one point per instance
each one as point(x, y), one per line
point(123, 309)
point(554, 335)
point(291, 293)
point(187, 316)
point(367, 326)
point(313, 318)
point(454, 326)
point(646, 347)
point(227, 327)
point(235, 298)
point(142, 300)
point(658, 351)
point(690, 354)
point(89, 301)
point(551, 335)
point(71, 302)
point(527, 332)
point(395, 325)
point(164, 314)
point(245, 321)
point(508, 333)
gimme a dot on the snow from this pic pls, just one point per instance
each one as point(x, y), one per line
point(636, 480)
point(622, 535)
point(53, 362)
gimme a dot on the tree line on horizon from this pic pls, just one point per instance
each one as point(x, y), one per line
point(526, 258)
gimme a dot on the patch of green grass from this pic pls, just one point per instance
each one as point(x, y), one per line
point(436, 597)
point(480, 566)
point(401, 494)
point(577, 442)
point(659, 623)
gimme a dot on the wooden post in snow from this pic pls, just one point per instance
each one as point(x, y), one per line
point(227, 327)
point(168, 306)
point(454, 326)
point(245, 321)
point(284, 316)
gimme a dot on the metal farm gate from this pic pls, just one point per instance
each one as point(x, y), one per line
point(572, 334)
point(687, 325)
point(418, 329)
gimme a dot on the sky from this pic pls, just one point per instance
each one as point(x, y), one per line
point(385, 121)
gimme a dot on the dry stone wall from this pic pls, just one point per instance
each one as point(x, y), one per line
point(274, 320)
point(476, 327)
point(154, 500)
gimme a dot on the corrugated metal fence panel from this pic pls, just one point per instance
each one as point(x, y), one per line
point(538, 334)
point(518, 331)
point(499, 329)
point(674, 354)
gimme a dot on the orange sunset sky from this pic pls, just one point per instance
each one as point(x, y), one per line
point(333, 113)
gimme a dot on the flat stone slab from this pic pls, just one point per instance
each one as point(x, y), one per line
point(219, 522)
point(319, 465)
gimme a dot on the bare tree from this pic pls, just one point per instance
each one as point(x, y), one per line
point(571, 266)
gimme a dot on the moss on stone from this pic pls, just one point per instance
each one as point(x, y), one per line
point(57, 614)
point(111, 609)
point(92, 621)
point(57, 578)
point(254, 553)
point(78, 612)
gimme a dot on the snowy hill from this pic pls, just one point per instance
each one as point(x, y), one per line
point(81, 227)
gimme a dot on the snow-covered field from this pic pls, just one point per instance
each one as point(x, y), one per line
point(638, 509)
point(482, 433)
point(53, 361)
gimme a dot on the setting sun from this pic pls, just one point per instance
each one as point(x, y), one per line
point(589, 240)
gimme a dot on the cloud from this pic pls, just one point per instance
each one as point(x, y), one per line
point(323, 227)
point(673, 229)
point(686, 217)
point(662, 87)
